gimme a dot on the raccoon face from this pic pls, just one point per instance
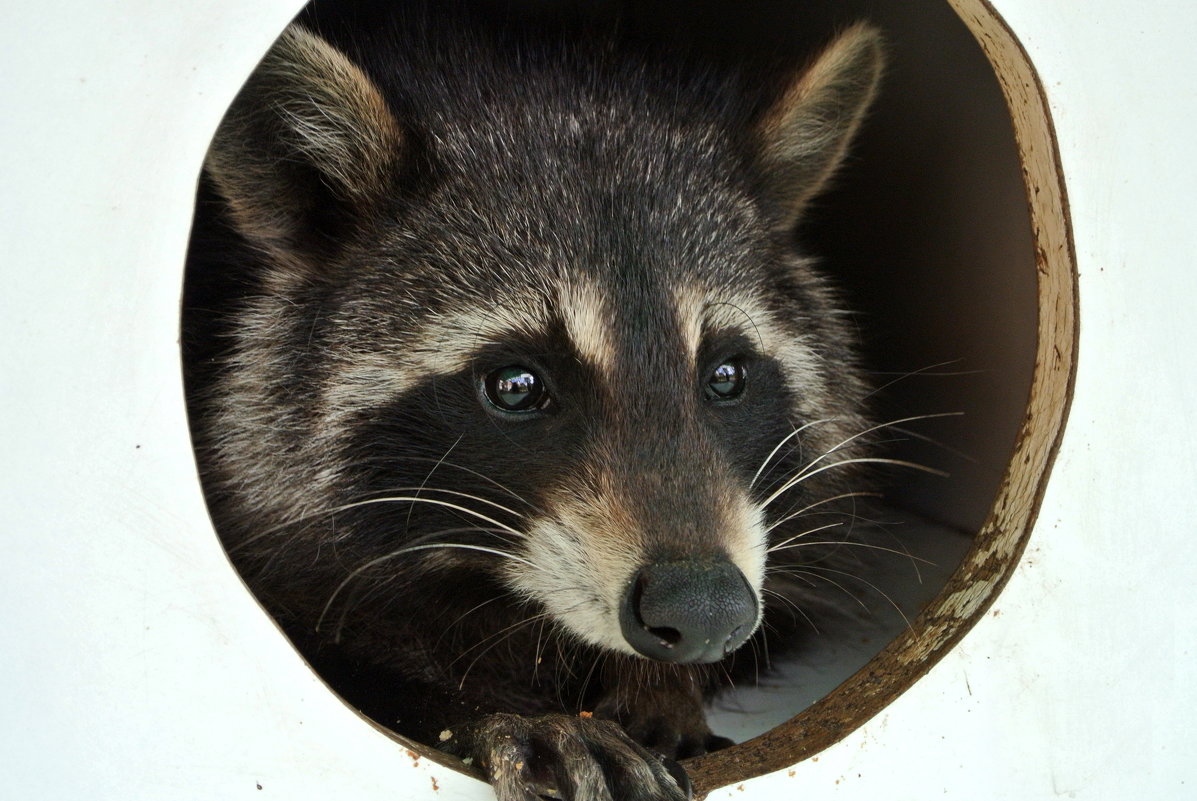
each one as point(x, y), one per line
point(552, 338)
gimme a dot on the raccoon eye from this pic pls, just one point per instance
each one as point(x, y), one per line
point(515, 389)
point(726, 382)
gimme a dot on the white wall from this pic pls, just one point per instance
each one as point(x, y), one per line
point(134, 663)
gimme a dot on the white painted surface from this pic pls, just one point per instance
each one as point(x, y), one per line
point(135, 666)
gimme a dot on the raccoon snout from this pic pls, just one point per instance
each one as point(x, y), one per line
point(688, 611)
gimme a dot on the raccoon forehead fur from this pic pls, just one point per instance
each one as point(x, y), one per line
point(397, 221)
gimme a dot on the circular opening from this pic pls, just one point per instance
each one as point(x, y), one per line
point(948, 229)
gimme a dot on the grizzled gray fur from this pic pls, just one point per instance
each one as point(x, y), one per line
point(512, 398)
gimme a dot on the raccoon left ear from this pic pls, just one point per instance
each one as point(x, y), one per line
point(308, 145)
point(803, 137)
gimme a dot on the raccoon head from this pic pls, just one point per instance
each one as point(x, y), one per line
point(537, 321)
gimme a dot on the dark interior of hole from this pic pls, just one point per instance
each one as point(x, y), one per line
point(932, 235)
point(927, 233)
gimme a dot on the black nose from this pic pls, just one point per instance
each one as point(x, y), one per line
point(688, 611)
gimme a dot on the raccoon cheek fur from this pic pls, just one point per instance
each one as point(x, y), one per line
point(388, 217)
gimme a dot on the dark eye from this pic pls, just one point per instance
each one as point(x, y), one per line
point(515, 389)
point(726, 382)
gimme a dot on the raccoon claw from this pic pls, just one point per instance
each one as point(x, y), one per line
point(568, 758)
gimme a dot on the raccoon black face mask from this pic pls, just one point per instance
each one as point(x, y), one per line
point(508, 388)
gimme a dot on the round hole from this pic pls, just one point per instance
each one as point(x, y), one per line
point(948, 230)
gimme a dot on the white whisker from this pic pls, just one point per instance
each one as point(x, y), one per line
point(779, 445)
point(852, 544)
point(456, 493)
point(782, 545)
point(808, 507)
point(832, 582)
point(462, 616)
point(867, 583)
point(941, 445)
point(808, 472)
point(490, 480)
point(412, 499)
point(794, 604)
point(924, 371)
point(497, 638)
point(435, 502)
point(870, 430)
point(411, 509)
point(412, 549)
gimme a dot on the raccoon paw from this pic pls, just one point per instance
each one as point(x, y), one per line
point(673, 725)
point(568, 758)
point(662, 736)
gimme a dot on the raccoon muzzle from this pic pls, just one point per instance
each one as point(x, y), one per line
point(688, 611)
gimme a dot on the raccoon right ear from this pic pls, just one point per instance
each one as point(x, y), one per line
point(308, 144)
point(802, 139)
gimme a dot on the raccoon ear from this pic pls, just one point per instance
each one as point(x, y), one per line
point(804, 135)
point(308, 143)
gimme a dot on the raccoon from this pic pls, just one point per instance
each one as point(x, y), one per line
point(509, 389)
